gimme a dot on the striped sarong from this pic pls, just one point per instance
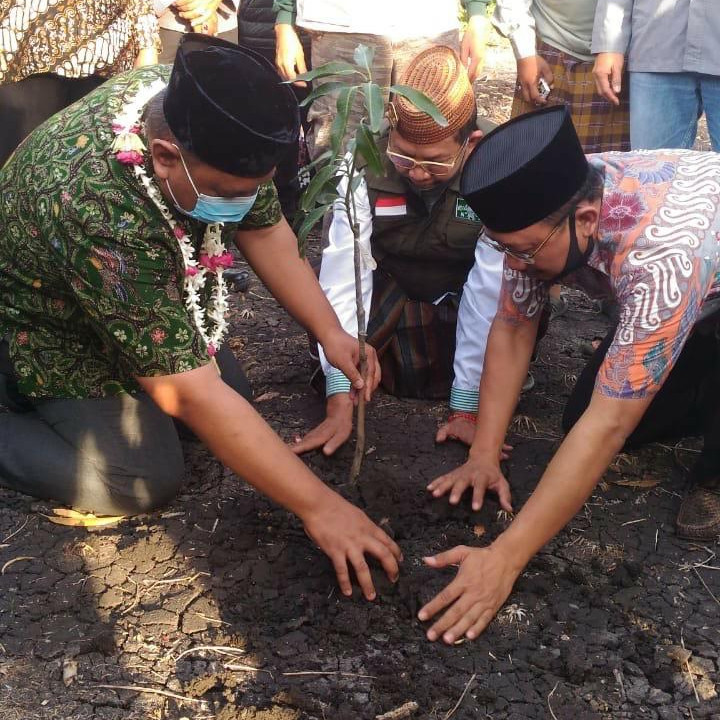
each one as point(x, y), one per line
point(600, 125)
point(415, 341)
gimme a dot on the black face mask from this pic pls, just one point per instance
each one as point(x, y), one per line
point(575, 257)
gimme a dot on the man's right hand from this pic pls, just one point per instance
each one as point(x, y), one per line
point(332, 432)
point(529, 72)
point(345, 533)
point(608, 75)
point(289, 54)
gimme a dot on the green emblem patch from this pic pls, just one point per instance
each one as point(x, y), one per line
point(464, 212)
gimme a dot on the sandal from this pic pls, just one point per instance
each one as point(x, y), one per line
point(699, 515)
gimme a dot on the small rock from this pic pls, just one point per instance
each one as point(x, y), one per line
point(159, 617)
point(69, 672)
point(705, 689)
point(636, 690)
point(658, 697)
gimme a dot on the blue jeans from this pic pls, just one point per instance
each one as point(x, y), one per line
point(665, 107)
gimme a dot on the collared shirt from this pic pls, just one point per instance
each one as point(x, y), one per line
point(668, 36)
point(564, 24)
point(91, 274)
point(73, 38)
point(337, 278)
point(659, 247)
point(393, 18)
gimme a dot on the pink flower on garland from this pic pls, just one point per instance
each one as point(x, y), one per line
point(621, 211)
point(158, 336)
point(212, 263)
point(179, 232)
point(22, 338)
point(129, 157)
point(191, 271)
point(211, 350)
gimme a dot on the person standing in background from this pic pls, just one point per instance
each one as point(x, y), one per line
point(551, 41)
point(397, 30)
point(53, 54)
point(256, 30)
point(673, 61)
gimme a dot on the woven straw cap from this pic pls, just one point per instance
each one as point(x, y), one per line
point(439, 73)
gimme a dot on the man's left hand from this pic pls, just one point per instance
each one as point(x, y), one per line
point(343, 352)
point(481, 586)
point(472, 48)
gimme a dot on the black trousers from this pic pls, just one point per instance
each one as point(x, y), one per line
point(688, 403)
point(26, 104)
point(113, 456)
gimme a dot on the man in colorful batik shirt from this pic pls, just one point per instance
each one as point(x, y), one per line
point(116, 217)
point(649, 224)
point(419, 240)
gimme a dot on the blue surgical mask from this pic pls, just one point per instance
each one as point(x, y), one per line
point(212, 209)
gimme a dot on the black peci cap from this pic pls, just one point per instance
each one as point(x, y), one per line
point(227, 105)
point(524, 170)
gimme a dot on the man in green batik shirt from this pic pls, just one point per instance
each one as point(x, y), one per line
point(101, 346)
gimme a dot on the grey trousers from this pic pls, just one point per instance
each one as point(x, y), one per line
point(111, 456)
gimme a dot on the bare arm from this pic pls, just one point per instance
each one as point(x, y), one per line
point(273, 254)
point(486, 575)
point(510, 345)
point(241, 439)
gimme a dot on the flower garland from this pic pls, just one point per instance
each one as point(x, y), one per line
point(213, 258)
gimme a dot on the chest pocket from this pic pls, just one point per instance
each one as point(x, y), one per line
point(461, 227)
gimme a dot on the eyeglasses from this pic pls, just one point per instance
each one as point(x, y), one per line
point(527, 257)
point(404, 162)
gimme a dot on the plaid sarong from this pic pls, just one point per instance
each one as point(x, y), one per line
point(414, 340)
point(600, 125)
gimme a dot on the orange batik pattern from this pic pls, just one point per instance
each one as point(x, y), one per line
point(659, 247)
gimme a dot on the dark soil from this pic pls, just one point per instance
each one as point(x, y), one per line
point(615, 618)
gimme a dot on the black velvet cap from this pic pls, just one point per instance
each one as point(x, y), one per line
point(227, 105)
point(524, 170)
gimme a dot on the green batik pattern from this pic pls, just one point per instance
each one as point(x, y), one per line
point(91, 275)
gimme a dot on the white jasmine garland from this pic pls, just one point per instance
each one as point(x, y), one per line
point(213, 258)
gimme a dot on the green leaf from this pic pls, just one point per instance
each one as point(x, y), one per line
point(339, 125)
point(374, 104)
point(368, 149)
point(421, 101)
point(322, 177)
point(363, 56)
point(336, 67)
point(322, 90)
point(308, 223)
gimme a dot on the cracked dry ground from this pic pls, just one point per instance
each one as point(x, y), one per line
point(615, 618)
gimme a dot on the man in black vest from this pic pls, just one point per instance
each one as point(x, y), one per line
point(419, 241)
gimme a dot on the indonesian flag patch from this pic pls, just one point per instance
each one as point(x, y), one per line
point(390, 205)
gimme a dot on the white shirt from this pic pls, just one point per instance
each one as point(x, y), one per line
point(398, 19)
point(478, 303)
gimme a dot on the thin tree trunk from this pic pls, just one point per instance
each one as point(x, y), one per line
point(360, 309)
